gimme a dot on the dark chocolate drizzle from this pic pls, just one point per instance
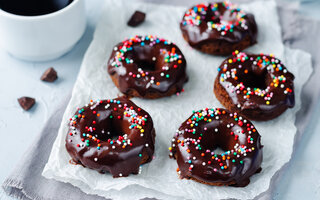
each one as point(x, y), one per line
point(225, 13)
point(118, 141)
point(198, 138)
point(262, 74)
point(145, 67)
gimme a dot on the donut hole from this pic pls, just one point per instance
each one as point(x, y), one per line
point(220, 148)
point(254, 79)
point(217, 142)
point(230, 16)
point(112, 128)
point(145, 57)
point(221, 15)
point(146, 65)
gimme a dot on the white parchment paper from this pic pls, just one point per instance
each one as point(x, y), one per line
point(159, 178)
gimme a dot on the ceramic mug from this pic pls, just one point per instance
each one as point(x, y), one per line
point(43, 37)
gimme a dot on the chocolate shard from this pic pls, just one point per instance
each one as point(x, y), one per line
point(136, 19)
point(49, 75)
point(26, 102)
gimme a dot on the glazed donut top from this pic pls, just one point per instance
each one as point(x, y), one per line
point(257, 81)
point(105, 133)
point(198, 137)
point(148, 63)
point(223, 21)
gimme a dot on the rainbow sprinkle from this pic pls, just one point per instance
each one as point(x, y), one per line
point(269, 62)
point(90, 135)
point(170, 57)
point(219, 161)
point(197, 16)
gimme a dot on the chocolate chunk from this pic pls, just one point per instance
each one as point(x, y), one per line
point(136, 19)
point(49, 75)
point(26, 102)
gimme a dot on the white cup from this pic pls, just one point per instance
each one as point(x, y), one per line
point(43, 37)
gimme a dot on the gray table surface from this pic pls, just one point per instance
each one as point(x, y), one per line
point(20, 78)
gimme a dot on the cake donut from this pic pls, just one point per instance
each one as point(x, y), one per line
point(147, 67)
point(256, 86)
point(113, 135)
point(195, 144)
point(218, 28)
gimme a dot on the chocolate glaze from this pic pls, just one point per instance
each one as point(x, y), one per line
point(199, 34)
point(145, 67)
point(197, 139)
point(99, 149)
point(278, 94)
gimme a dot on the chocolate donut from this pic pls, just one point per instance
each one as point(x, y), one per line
point(147, 67)
point(218, 28)
point(256, 86)
point(113, 136)
point(195, 148)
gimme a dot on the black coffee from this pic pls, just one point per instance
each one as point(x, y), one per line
point(33, 7)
